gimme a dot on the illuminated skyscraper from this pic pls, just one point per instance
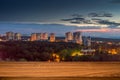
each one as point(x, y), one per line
point(77, 36)
point(87, 41)
point(39, 37)
point(52, 37)
point(9, 36)
point(17, 36)
point(69, 36)
point(33, 37)
point(45, 36)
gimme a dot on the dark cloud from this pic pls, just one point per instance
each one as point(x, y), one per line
point(87, 21)
point(76, 19)
point(66, 19)
point(100, 15)
point(73, 19)
point(95, 18)
point(107, 22)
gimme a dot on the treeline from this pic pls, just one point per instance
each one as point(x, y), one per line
point(33, 51)
point(43, 51)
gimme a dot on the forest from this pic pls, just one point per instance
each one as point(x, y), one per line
point(49, 51)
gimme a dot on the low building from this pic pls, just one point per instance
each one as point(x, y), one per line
point(88, 51)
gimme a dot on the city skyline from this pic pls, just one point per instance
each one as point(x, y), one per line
point(92, 17)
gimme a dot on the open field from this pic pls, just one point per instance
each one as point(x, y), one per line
point(60, 78)
point(62, 69)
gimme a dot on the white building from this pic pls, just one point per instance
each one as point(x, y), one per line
point(77, 36)
point(69, 37)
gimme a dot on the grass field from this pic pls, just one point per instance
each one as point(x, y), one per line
point(64, 70)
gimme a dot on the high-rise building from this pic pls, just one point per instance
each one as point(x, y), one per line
point(39, 37)
point(87, 41)
point(45, 36)
point(77, 36)
point(17, 36)
point(52, 37)
point(33, 37)
point(69, 36)
point(9, 36)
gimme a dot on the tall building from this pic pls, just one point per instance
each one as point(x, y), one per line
point(69, 36)
point(9, 36)
point(87, 41)
point(39, 37)
point(17, 36)
point(45, 36)
point(33, 37)
point(52, 37)
point(77, 36)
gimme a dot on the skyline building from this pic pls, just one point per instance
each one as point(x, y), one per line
point(77, 36)
point(69, 37)
point(87, 41)
point(10, 36)
point(45, 36)
point(17, 36)
point(39, 36)
point(52, 37)
point(33, 37)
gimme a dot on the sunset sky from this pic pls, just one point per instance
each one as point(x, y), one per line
point(100, 18)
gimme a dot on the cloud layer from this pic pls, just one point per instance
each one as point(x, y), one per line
point(93, 18)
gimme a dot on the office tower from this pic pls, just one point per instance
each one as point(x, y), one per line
point(77, 36)
point(9, 36)
point(87, 41)
point(17, 36)
point(38, 36)
point(69, 36)
point(33, 37)
point(45, 36)
point(52, 37)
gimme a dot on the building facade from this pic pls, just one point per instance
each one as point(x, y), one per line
point(17, 36)
point(10, 36)
point(69, 37)
point(39, 36)
point(77, 36)
point(87, 41)
point(52, 37)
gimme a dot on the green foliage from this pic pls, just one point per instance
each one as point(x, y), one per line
point(42, 51)
point(35, 51)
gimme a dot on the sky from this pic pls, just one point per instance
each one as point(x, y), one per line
point(99, 18)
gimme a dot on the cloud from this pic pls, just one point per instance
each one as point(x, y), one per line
point(100, 14)
point(91, 18)
point(76, 19)
point(102, 30)
point(107, 22)
point(93, 30)
point(66, 19)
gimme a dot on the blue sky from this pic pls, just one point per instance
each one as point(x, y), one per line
point(93, 17)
